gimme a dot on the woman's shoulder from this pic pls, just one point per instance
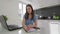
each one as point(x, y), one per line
point(35, 16)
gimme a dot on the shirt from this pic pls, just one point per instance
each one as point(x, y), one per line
point(30, 21)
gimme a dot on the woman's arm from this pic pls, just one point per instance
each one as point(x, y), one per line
point(34, 24)
point(23, 22)
point(24, 26)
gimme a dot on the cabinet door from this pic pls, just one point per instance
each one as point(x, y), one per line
point(54, 27)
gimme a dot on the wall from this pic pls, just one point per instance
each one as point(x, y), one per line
point(10, 9)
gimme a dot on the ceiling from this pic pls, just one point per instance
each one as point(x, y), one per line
point(41, 3)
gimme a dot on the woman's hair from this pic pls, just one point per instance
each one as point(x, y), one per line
point(27, 14)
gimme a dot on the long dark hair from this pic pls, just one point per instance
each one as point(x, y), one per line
point(26, 14)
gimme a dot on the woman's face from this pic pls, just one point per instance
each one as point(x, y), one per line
point(29, 10)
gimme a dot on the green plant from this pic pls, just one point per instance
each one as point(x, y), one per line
point(5, 18)
point(56, 17)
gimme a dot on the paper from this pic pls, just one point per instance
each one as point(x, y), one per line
point(32, 30)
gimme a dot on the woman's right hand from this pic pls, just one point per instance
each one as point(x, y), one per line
point(25, 27)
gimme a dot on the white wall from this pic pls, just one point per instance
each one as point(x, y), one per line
point(10, 9)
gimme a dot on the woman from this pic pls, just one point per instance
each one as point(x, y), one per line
point(29, 20)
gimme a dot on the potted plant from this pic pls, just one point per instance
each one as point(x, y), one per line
point(5, 18)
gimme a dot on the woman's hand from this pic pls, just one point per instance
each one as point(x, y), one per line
point(30, 26)
point(26, 28)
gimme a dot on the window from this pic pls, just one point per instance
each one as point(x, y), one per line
point(22, 9)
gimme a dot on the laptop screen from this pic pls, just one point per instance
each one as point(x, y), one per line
point(3, 23)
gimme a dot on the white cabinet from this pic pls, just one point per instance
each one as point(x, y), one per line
point(44, 26)
point(49, 26)
point(54, 27)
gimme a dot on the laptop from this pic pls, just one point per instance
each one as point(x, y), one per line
point(8, 27)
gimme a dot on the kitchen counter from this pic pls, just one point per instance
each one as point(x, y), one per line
point(43, 24)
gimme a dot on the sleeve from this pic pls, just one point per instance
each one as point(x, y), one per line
point(35, 18)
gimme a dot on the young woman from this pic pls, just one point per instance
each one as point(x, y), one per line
point(29, 20)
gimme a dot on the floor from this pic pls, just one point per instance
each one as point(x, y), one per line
point(43, 24)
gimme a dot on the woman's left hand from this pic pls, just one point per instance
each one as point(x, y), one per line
point(31, 26)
